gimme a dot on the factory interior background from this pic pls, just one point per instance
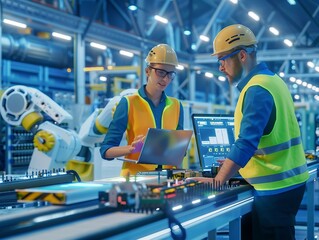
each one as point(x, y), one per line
point(82, 53)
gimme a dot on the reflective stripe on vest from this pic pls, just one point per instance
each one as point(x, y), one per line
point(279, 147)
point(279, 176)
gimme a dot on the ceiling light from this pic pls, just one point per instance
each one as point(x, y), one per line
point(274, 31)
point(291, 2)
point(222, 78)
point(187, 32)
point(161, 19)
point(310, 64)
point(317, 69)
point(132, 7)
point(61, 36)
point(97, 45)
point(14, 23)
point(253, 16)
point(204, 38)
point(126, 53)
point(209, 75)
point(281, 74)
point(309, 85)
point(292, 79)
point(296, 96)
point(180, 67)
point(103, 78)
point(288, 42)
point(234, 1)
point(298, 81)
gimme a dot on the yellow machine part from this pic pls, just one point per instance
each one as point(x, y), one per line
point(54, 198)
point(44, 141)
point(84, 169)
point(30, 120)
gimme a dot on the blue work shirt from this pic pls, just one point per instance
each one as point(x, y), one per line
point(259, 116)
point(119, 123)
point(258, 107)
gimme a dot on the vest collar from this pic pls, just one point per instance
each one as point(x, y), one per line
point(142, 93)
point(256, 70)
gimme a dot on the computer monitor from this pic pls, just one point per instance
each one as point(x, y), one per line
point(214, 135)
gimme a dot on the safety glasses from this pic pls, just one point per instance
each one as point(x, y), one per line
point(163, 73)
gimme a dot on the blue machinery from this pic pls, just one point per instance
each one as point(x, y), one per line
point(201, 219)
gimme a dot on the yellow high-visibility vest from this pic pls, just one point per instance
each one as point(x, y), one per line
point(279, 161)
point(140, 118)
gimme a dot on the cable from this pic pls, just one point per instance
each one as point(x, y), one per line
point(179, 232)
point(76, 175)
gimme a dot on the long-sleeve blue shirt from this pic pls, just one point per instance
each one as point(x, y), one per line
point(119, 123)
point(258, 118)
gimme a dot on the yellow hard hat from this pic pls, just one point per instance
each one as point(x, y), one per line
point(233, 36)
point(162, 54)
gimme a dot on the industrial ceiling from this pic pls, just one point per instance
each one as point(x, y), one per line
point(111, 22)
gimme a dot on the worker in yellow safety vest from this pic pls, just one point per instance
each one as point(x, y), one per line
point(268, 151)
point(150, 107)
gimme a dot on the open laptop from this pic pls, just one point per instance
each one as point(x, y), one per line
point(214, 135)
point(164, 147)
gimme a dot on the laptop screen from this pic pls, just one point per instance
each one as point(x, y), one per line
point(165, 147)
point(214, 135)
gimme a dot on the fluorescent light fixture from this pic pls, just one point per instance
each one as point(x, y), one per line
point(14, 23)
point(97, 45)
point(180, 67)
point(132, 7)
point(126, 53)
point(288, 42)
point(253, 16)
point(222, 78)
point(161, 19)
point(187, 32)
point(103, 78)
point(274, 31)
point(62, 36)
point(209, 75)
point(310, 64)
point(234, 1)
point(291, 2)
point(204, 38)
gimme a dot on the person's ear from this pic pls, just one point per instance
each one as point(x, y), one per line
point(242, 55)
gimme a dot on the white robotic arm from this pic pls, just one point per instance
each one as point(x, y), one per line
point(94, 128)
point(54, 146)
point(22, 106)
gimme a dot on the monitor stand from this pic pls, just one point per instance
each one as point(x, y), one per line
point(159, 169)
